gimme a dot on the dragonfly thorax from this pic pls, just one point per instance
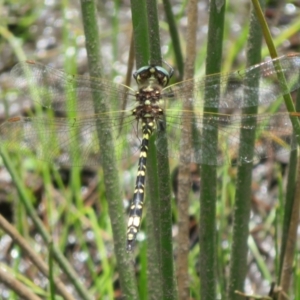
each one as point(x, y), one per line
point(148, 104)
point(151, 81)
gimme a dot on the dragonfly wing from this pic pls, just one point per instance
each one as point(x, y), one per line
point(54, 89)
point(236, 88)
point(273, 136)
point(69, 142)
point(193, 153)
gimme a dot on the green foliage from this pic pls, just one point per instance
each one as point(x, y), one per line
point(77, 224)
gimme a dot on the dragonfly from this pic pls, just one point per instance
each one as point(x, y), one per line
point(66, 133)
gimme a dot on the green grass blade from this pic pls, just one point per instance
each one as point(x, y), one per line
point(164, 213)
point(290, 220)
point(241, 212)
point(141, 28)
point(268, 38)
point(51, 272)
point(208, 197)
point(290, 214)
point(154, 271)
point(140, 32)
point(174, 37)
point(161, 238)
point(110, 170)
point(64, 264)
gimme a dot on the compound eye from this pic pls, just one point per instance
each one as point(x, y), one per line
point(142, 74)
point(162, 76)
point(162, 79)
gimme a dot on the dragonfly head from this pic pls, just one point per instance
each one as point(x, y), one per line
point(160, 75)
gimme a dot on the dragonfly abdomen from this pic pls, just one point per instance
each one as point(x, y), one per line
point(136, 207)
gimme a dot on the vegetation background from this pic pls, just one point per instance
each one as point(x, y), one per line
point(73, 205)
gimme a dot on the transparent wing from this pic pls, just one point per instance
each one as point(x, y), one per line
point(54, 89)
point(68, 141)
point(273, 134)
point(235, 92)
point(74, 141)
